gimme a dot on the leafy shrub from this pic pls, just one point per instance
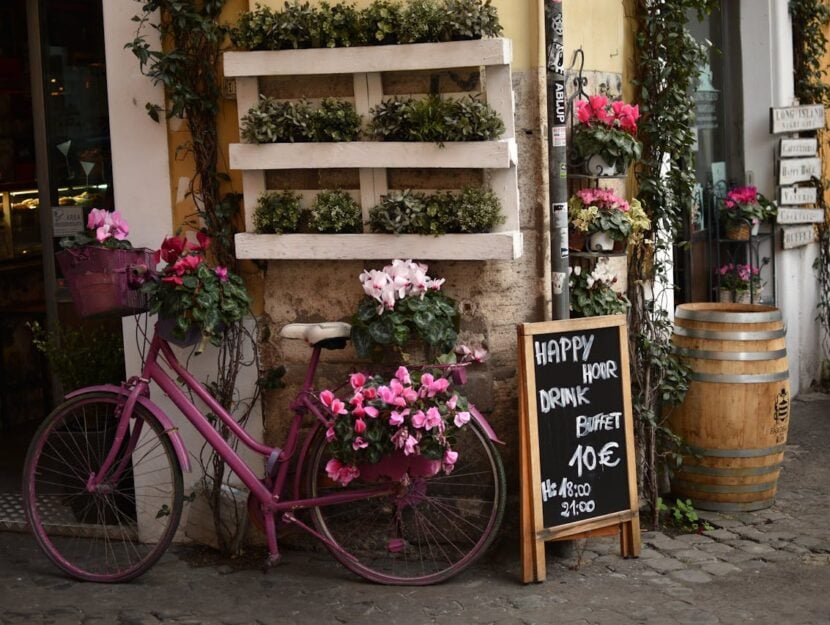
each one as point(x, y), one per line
point(472, 210)
point(336, 120)
point(277, 213)
point(435, 119)
point(335, 211)
point(299, 25)
point(272, 121)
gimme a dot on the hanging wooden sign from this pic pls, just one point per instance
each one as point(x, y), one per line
point(577, 437)
point(796, 196)
point(799, 147)
point(792, 170)
point(798, 236)
point(800, 216)
point(796, 118)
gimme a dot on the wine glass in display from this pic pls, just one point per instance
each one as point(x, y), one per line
point(64, 149)
point(87, 166)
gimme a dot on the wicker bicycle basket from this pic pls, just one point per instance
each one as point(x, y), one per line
point(98, 279)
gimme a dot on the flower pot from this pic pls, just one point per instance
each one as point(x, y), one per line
point(742, 297)
point(756, 228)
point(600, 242)
point(737, 232)
point(577, 240)
point(725, 296)
point(165, 327)
point(596, 165)
point(395, 465)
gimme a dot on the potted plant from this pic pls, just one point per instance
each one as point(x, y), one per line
point(402, 302)
point(728, 282)
point(95, 264)
point(748, 284)
point(605, 136)
point(195, 302)
point(591, 293)
point(603, 216)
point(742, 211)
point(388, 428)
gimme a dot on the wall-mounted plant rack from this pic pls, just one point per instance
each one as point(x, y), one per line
point(498, 158)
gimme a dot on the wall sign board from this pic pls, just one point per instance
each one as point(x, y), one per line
point(800, 216)
point(792, 170)
point(798, 195)
point(799, 147)
point(798, 236)
point(796, 118)
point(578, 474)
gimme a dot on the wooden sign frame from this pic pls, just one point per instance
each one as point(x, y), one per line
point(533, 532)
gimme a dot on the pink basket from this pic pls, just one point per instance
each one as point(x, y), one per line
point(98, 279)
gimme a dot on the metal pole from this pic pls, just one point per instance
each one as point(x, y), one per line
point(557, 156)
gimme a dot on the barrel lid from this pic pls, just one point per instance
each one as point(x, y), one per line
point(728, 313)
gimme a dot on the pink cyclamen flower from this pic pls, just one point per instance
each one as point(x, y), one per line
point(359, 426)
point(402, 374)
point(419, 419)
point(410, 446)
point(97, 218)
point(119, 227)
point(357, 380)
point(341, 473)
point(221, 273)
point(331, 435)
point(461, 419)
point(359, 443)
point(450, 458)
point(397, 418)
point(583, 111)
point(433, 419)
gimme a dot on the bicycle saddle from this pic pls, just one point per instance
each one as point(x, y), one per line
point(329, 334)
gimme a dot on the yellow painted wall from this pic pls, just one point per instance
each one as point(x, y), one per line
point(597, 27)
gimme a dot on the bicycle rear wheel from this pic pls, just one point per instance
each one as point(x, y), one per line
point(115, 532)
point(431, 529)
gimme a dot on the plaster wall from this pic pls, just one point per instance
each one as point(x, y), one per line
point(766, 38)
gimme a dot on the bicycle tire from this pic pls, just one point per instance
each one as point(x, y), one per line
point(431, 530)
point(119, 531)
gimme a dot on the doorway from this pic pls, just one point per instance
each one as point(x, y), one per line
point(55, 167)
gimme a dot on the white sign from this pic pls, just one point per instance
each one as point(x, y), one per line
point(798, 170)
point(800, 216)
point(799, 147)
point(67, 220)
point(796, 118)
point(798, 195)
point(798, 236)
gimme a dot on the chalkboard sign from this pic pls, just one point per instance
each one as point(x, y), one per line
point(577, 434)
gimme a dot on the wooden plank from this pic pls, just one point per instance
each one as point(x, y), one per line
point(247, 95)
point(792, 170)
point(797, 195)
point(253, 185)
point(416, 56)
point(800, 215)
point(485, 154)
point(797, 236)
point(499, 92)
point(796, 118)
point(487, 246)
point(798, 147)
point(576, 528)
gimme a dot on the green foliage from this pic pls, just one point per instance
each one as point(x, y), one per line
point(82, 356)
point(382, 22)
point(614, 222)
point(682, 515)
point(591, 294)
point(615, 146)
point(435, 119)
point(810, 17)
point(407, 212)
point(335, 211)
point(432, 318)
point(277, 212)
point(667, 62)
point(275, 121)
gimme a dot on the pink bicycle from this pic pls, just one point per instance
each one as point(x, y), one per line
point(103, 487)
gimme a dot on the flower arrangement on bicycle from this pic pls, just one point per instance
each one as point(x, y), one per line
point(403, 302)
point(391, 427)
point(193, 293)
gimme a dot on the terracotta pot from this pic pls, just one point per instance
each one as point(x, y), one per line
point(577, 240)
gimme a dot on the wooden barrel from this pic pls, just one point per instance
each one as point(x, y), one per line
point(735, 417)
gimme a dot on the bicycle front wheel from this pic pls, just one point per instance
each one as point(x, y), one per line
point(430, 529)
point(115, 531)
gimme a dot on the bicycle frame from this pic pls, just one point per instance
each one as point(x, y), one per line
point(278, 460)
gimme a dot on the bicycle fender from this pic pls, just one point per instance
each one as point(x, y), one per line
point(171, 430)
point(485, 425)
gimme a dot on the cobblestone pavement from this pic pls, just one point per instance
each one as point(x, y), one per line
point(765, 567)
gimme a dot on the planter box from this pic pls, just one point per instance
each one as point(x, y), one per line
point(486, 246)
point(499, 158)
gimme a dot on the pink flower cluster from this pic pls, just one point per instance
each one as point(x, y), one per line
point(738, 276)
point(616, 114)
point(603, 199)
point(397, 281)
point(741, 196)
point(183, 257)
point(107, 224)
point(404, 414)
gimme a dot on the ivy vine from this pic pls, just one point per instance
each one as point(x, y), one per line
point(667, 58)
point(810, 18)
